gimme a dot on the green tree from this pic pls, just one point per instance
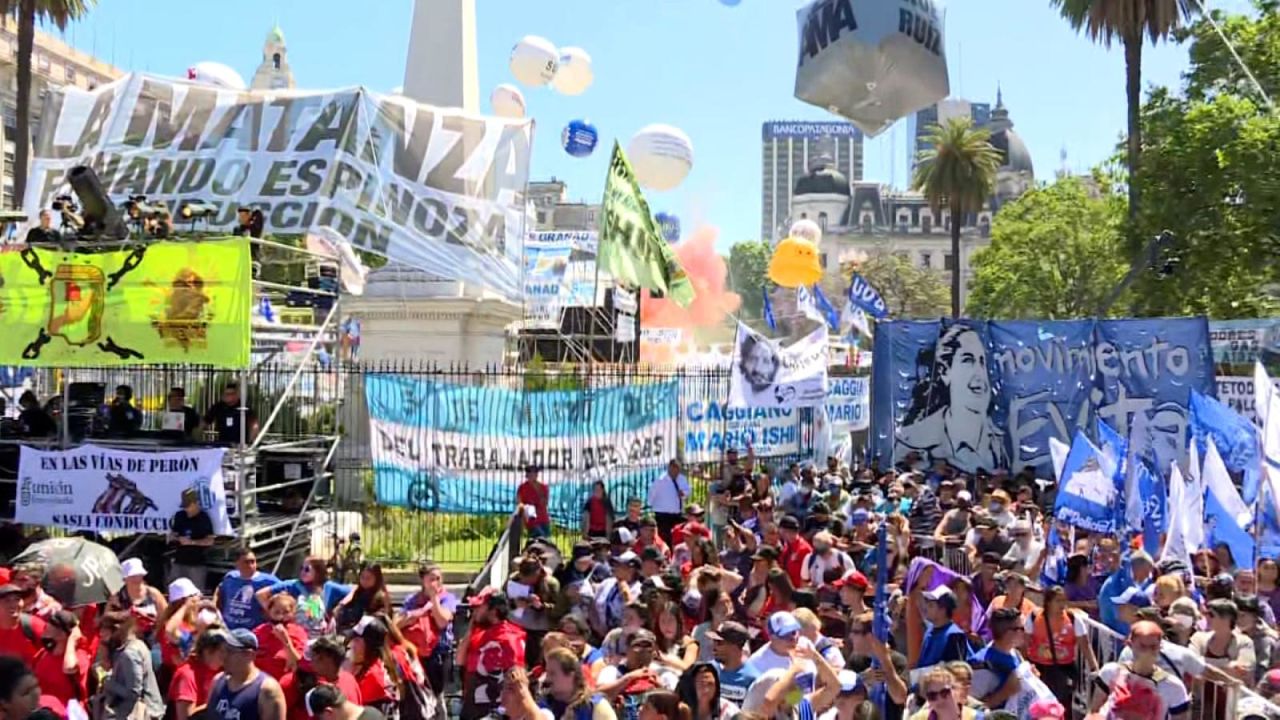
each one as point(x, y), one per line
point(748, 265)
point(1055, 253)
point(909, 291)
point(29, 13)
point(958, 172)
point(1130, 21)
point(1208, 176)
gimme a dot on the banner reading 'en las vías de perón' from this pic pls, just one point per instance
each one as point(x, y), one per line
point(167, 302)
point(433, 188)
point(106, 490)
point(765, 374)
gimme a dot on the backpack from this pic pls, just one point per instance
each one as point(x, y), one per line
point(28, 631)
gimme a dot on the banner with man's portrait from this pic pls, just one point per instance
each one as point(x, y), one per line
point(986, 395)
point(765, 374)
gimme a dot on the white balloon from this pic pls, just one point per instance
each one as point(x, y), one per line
point(807, 229)
point(574, 75)
point(507, 101)
point(534, 61)
point(661, 155)
point(216, 74)
point(885, 64)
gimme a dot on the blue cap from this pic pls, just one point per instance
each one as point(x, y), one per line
point(850, 682)
point(859, 516)
point(1133, 596)
point(782, 624)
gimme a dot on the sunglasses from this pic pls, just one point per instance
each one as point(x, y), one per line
point(939, 694)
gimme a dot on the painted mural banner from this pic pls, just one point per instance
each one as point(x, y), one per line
point(985, 395)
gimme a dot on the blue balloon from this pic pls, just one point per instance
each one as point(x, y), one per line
point(579, 138)
point(670, 226)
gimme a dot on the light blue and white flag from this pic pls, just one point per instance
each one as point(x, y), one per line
point(816, 307)
point(1193, 498)
point(1177, 544)
point(1087, 494)
point(1235, 436)
point(1267, 403)
point(1227, 518)
point(855, 317)
point(863, 295)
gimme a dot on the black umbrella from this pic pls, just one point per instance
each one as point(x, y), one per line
point(78, 572)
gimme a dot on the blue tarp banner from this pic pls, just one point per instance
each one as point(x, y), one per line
point(986, 394)
point(445, 447)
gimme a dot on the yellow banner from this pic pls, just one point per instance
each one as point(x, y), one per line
point(167, 302)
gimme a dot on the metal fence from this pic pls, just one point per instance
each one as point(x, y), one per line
point(462, 534)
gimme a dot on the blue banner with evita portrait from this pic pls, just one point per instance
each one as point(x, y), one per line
point(990, 394)
point(453, 448)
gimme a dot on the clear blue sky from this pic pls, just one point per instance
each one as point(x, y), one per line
point(717, 72)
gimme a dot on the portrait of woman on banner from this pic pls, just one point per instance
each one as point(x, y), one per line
point(950, 414)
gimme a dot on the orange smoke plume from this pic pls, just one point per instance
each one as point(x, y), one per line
point(709, 274)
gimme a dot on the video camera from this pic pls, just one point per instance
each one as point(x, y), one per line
point(65, 203)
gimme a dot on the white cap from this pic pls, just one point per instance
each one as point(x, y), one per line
point(181, 589)
point(133, 567)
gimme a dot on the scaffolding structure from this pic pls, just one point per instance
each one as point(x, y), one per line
point(278, 482)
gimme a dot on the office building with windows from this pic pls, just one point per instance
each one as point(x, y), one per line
point(919, 124)
point(789, 150)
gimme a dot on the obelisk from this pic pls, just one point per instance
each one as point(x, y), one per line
point(441, 67)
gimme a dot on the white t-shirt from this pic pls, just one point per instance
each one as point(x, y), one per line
point(1169, 689)
point(765, 659)
point(1174, 658)
point(663, 497)
point(815, 567)
point(1024, 561)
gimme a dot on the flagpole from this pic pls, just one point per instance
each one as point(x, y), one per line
point(880, 614)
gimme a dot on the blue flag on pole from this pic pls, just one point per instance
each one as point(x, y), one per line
point(826, 308)
point(880, 619)
point(863, 295)
point(768, 310)
point(1087, 494)
point(1236, 438)
point(1226, 516)
point(1115, 449)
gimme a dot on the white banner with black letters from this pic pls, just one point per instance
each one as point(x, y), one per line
point(106, 490)
point(433, 188)
point(768, 375)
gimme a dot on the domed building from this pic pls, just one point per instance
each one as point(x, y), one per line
point(865, 218)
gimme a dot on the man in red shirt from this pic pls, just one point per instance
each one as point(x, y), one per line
point(61, 668)
point(693, 515)
point(493, 645)
point(324, 658)
point(532, 497)
point(19, 633)
point(795, 549)
point(649, 537)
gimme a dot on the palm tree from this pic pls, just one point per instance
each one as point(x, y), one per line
point(58, 12)
point(1128, 20)
point(958, 172)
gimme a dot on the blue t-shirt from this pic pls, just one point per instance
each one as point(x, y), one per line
point(240, 607)
point(313, 607)
point(1000, 663)
point(735, 683)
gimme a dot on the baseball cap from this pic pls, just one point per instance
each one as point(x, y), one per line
point(1133, 596)
point(783, 624)
point(652, 554)
point(789, 522)
point(695, 528)
point(693, 508)
point(622, 536)
point(1271, 680)
point(10, 589)
point(181, 589)
point(859, 517)
point(850, 682)
point(642, 635)
point(582, 549)
point(626, 558)
point(242, 639)
point(371, 628)
point(765, 552)
point(1046, 709)
point(133, 567)
point(854, 579)
point(734, 633)
point(481, 598)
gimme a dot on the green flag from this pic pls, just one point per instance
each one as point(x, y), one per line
point(631, 248)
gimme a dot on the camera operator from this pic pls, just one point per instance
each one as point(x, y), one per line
point(45, 232)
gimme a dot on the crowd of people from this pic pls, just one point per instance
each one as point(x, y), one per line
point(779, 600)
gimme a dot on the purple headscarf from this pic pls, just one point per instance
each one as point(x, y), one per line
point(944, 576)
